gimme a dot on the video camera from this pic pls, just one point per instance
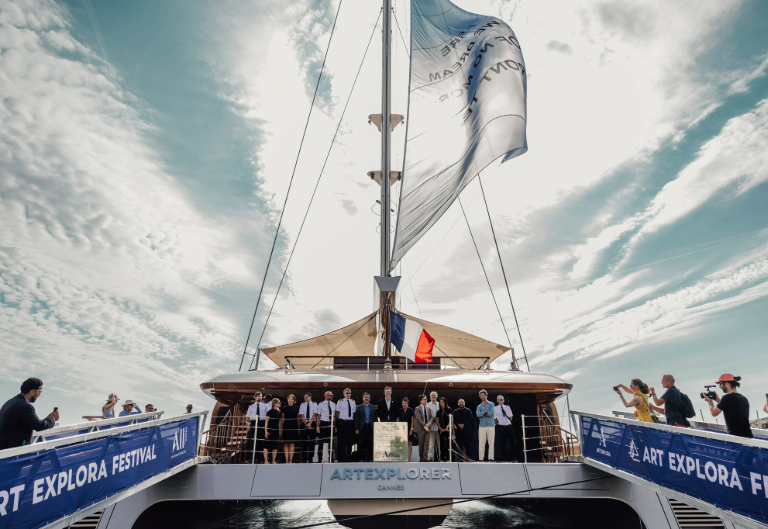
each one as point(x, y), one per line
point(708, 392)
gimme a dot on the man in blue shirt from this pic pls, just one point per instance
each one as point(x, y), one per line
point(487, 430)
point(365, 415)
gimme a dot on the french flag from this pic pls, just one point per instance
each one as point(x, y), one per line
point(410, 338)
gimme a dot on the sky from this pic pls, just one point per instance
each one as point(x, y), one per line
point(146, 150)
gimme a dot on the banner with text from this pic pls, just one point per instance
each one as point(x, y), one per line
point(41, 487)
point(730, 476)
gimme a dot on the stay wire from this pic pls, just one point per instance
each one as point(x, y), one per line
point(456, 502)
point(397, 23)
point(290, 184)
point(503, 326)
point(317, 184)
point(506, 283)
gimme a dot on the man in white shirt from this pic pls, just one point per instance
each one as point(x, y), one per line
point(434, 428)
point(325, 410)
point(502, 414)
point(307, 434)
point(257, 413)
point(345, 416)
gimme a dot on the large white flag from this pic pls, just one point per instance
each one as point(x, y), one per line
point(467, 108)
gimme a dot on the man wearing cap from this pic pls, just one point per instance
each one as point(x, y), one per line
point(733, 405)
point(129, 408)
point(672, 400)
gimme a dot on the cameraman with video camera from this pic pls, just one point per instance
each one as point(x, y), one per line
point(733, 404)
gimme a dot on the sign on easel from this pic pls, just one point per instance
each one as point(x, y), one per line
point(390, 441)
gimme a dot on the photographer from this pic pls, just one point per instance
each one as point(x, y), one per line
point(640, 401)
point(733, 405)
point(18, 418)
point(672, 400)
point(108, 410)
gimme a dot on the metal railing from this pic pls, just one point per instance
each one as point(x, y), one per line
point(376, 363)
point(759, 433)
point(227, 442)
point(60, 432)
point(555, 443)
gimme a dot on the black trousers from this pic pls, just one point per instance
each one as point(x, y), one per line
point(307, 438)
point(463, 438)
point(365, 443)
point(346, 434)
point(445, 442)
point(504, 434)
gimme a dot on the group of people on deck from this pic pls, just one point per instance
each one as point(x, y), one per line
point(432, 424)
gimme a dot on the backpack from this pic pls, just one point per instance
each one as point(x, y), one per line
point(687, 410)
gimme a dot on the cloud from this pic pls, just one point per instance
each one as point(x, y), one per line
point(560, 47)
point(732, 162)
point(107, 268)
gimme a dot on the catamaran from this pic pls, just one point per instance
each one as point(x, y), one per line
point(467, 109)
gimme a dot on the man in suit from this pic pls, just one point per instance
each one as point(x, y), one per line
point(386, 410)
point(421, 419)
point(365, 416)
point(18, 418)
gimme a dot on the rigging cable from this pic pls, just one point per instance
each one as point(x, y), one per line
point(503, 326)
point(317, 184)
point(401, 34)
point(290, 184)
point(479, 179)
point(456, 502)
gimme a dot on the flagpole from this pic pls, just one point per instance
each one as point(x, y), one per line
point(387, 298)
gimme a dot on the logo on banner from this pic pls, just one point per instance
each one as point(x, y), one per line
point(602, 437)
point(179, 440)
point(599, 450)
point(634, 453)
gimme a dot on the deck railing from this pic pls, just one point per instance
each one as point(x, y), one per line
point(376, 363)
point(555, 443)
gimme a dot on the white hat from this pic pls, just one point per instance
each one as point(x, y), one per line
point(128, 402)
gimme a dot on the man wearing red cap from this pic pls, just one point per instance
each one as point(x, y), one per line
point(733, 405)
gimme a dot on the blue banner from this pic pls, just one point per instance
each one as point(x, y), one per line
point(730, 476)
point(41, 487)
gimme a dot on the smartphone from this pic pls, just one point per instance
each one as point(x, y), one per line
point(55, 409)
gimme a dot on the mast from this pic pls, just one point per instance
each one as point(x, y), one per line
point(387, 298)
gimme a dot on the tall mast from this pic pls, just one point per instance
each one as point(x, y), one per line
point(387, 298)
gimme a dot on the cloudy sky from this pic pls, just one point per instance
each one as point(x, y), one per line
point(146, 149)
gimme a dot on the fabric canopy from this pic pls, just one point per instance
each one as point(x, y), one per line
point(359, 338)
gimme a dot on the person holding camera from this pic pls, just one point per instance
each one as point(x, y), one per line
point(18, 417)
point(733, 405)
point(640, 400)
point(108, 410)
point(672, 400)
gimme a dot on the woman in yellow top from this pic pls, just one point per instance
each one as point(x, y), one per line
point(640, 401)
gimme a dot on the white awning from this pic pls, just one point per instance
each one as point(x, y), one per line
point(359, 338)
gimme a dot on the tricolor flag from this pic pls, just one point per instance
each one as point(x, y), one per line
point(410, 338)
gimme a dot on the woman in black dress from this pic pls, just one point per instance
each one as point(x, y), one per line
point(405, 414)
point(444, 421)
point(290, 427)
point(272, 431)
